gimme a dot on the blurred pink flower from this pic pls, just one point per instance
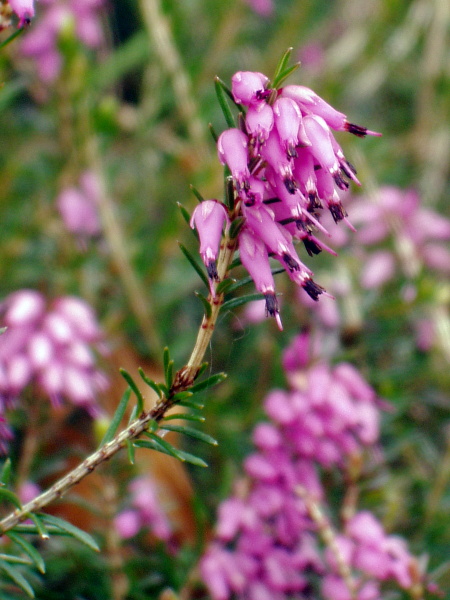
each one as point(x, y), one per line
point(144, 512)
point(41, 42)
point(78, 208)
point(52, 346)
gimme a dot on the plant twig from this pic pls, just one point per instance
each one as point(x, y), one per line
point(184, 379)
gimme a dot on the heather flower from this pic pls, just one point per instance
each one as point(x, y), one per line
point(286, 167)
point(41, 42)
point(77, 206)
point(145, 512)
point(52, 347)
point(24, 9)
point(209, 218)
point(265, 540)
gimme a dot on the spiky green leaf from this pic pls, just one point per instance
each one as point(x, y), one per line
point(9, 496)
point(196, 193)
point(211, 381)
point(73, 531)
point(29, 550)
point(191, 404)
point(285, 74)
point(235, 302)
point(185, 214)
point(136, 390)
point(5, 473)
point(223, 95)
point(185, 417)
point(14, 574)
point(194, 433)
point(130, 452)
point(117, 418)
point(155, 387)
point(200, 271)
point(206, 305)
point(181, 396)
point(281, 66)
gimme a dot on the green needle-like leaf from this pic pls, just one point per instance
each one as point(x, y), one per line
point(73, 531)
point(191, 404)
point(9, 496)
point(281, 65)
point(182, 396)
point(136, 390)
point(235, 302)
point(285, 74)
point(206, 305)
point(213, 380)
point(17, 577)
point(195, 264)
point(117, 418)
point(185, 417)
point(185, 214)
point(196, 193)
point(223, 95)
point(41, 529)
point(130, 452)
point(29, 550)
point(194, 433)
point(5, 473)
point(155, 387)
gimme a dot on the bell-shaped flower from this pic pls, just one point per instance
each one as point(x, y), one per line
point(322, 150)
point(232, 149)
point(24, 9)
point(288, 121)
point(309, 101)
point(259, 121)
point(273, 152)
point(209, 218)
point(248, 87)
point(255, 259)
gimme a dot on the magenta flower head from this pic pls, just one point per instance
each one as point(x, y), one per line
point(209, 218)
point(286, 168)
point(24, 9)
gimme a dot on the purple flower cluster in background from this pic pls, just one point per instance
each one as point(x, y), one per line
point(51, 347)
point(286, 166)
point(266, 543)
point(416, 234)
point(41, 42)
point(145, 512)
point(78, 208)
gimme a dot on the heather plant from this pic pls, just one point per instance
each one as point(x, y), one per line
point(327, 443)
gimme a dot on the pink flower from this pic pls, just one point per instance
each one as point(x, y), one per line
point(50, 346)
point(24, 9)
point(209, 218)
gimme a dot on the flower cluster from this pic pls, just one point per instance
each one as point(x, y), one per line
point(145, 512)
point(265, 544)
point(41, 42)
point(373, 554)
point(52, 347)
point(393, 215)
point(78, 208)
point(286, 166)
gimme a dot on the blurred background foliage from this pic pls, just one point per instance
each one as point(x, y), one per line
point(136, 113)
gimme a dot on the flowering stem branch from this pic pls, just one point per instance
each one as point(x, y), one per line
point(184, 379)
